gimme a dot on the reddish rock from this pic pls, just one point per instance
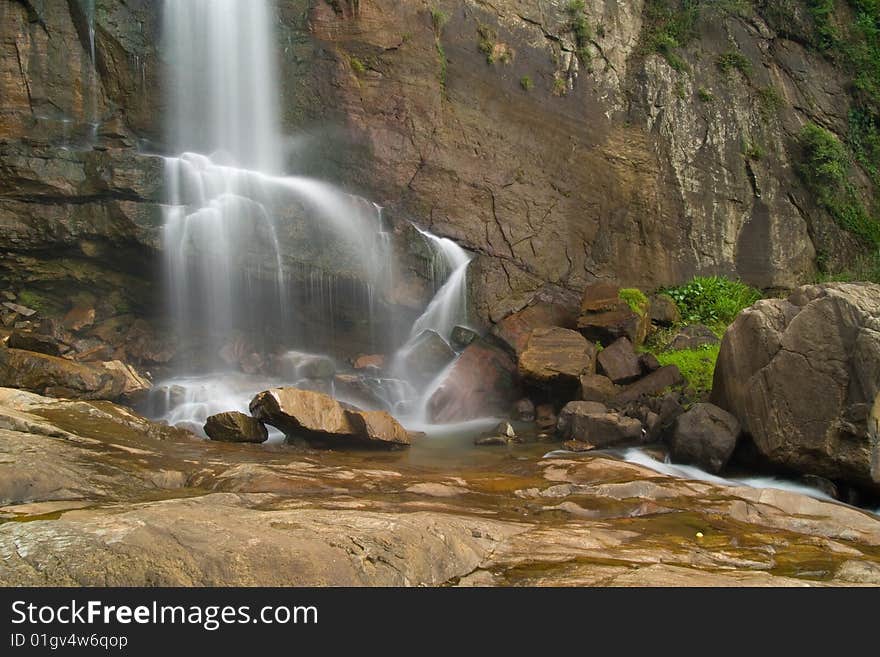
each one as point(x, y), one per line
point(483, 381)
point(554, 360)
point(514, 330)
point(590, 422)
point(605, 317)
point(78, 318)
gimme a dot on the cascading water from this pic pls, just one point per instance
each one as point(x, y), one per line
point(232, 217)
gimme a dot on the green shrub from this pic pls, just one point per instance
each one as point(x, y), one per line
point(770, 101)
point(580, 28)
point(712, 300)
point(705, 95)
point(825, 168)
point(635, 299)
point(734, 60)
point(438, 20)
point(697, 366)
point(357, 66)
point(526, 83)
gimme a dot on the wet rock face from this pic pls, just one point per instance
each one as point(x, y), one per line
point(802, 374)
point(626, 163)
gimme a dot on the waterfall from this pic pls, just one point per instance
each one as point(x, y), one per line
point(254, 256)
point(222, 82)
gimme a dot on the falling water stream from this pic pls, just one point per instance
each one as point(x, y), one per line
point(228, 206)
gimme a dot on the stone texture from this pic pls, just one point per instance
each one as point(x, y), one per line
point(591, 422)
point(318, 418)
point(60, 377)
point(619, 362)
point(605, 317)
point(425, 357)
point(515, 329)
point(663, 310)
point(483, 381)
point(653, 384)
point(801, 375)
point(598, 388)
point(706, 436)
point(693, 336)
point(234, 427)
point(555, 359)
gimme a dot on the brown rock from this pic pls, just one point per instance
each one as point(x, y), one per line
point(605, 317)
point(461, 337)
point(483, 381)
point(802, 374)
point(32, 341)
point(597, 387)
point(59, 377)
point(319, 418)
point(425, 357)
point(514, 330)
point(619, 362)
point(588, 422)
point(653, 384)
point(706, 436)
point(555, 359)
point(649, 363)
point(234, 427)
point(663, 310)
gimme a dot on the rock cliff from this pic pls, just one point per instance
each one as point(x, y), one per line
point(563, 142)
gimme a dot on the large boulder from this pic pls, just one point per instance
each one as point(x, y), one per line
point(235, 427)
point(483, 381)
point(318, 418)
point(802, 375)
point(592, 423)
point(59, 377)
point(514, 330)
point(606, 317)
point(706, 436)
point(554, 360)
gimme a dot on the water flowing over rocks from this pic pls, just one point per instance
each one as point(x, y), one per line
point(802, 374)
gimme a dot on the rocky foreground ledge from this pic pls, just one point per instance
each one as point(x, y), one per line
point(93, 494)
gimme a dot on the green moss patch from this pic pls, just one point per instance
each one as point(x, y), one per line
point(697, 366)
point(635, 299)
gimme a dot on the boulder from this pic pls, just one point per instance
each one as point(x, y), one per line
point(693, 336)
point(319, 418)
point(33, 341)
point(802, 375)
point(619, 362)
point(18, 309)
point(461, 337)
point(514, 330)
point(59, 377)
point(653, 384)
point(555, 359)
point(597, 387)
point(605, 317)
point(524, 410)
point(235, 427)
point(482, 381)
point(705, 436)
point(422, 359)
point(135, 387)
point(592, 423)
point(502, 434)
point(663, 310)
